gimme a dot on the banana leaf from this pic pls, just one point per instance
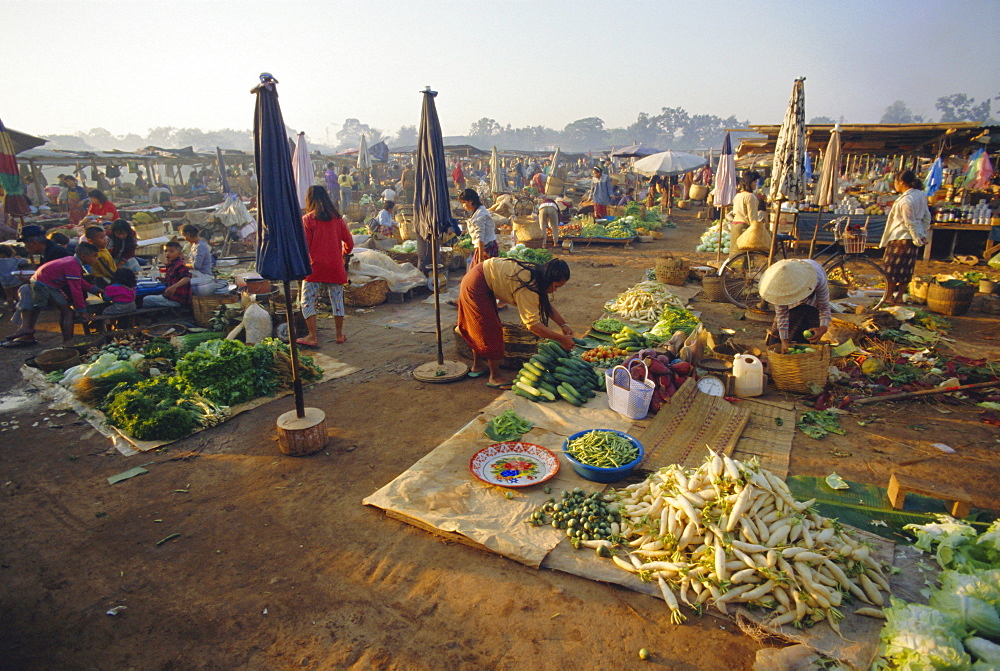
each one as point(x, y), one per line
point(862, 504)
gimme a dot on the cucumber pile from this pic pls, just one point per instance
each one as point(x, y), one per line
point(555, 374)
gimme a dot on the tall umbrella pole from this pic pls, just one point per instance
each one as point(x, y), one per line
point(432, 212)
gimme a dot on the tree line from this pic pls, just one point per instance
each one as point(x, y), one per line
point(671, 128)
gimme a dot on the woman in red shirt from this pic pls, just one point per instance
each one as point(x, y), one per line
point(100, 207)
point(328, 240)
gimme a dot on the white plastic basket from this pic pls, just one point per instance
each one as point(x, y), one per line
point(626, 396)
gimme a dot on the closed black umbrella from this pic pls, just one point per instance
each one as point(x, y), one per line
point(282, 253)
point(223, 179)
point(431, 218)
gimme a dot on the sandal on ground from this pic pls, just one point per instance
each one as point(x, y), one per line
point(302, 343)
point(10, 344)
point(341, 340)
point(476, 373)
point(504, 387)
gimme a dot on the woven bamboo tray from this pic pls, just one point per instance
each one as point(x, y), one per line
point(366, 295)
point(204, 306)
point(795, 372)
point(948, 301)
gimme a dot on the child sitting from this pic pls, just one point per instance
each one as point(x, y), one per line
point(121, 293)
point(9, 262)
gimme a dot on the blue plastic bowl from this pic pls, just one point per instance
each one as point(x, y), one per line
point(596, 473)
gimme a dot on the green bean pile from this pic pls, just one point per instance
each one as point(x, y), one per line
point(585, 517)
point(604, 449)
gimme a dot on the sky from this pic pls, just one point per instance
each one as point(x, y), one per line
point(128, 66)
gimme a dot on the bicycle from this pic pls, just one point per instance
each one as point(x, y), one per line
point(849, 273)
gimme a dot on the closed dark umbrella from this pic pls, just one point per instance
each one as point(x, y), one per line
point(431, 218)
point(282, 253)
point(223, 179)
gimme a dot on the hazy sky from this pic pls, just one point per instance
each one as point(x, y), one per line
point(128, 66)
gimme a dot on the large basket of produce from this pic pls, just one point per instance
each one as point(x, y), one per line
point(366, 295)
point(204, 306)
point(801, 369)
point(519, 345)
point(672, 269)
point(405, 252)
point(60, 358)
point(953, 297)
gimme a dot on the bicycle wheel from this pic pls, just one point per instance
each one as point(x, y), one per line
point(858, 278)
point(741, 277)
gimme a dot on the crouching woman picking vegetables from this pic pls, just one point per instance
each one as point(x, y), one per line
point(800, 293)
point(525, 285)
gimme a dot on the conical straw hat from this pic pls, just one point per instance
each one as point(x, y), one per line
point(788, 282)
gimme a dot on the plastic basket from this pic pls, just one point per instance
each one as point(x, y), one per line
point(855, 243)
point(626, 396)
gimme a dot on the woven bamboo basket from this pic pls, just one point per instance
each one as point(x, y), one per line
point(990, 305)
point(402, 257)
point(795, 372)
point(519, 345)
point(949, 301)
point(918, 291)
point(672, 270)
point(366, 295)
point(60, 358)
point(712, 290)
point(204, 306)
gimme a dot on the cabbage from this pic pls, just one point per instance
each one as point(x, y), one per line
point(975, 614)
point(920, 638)
point(983, 585)
point(956, 543)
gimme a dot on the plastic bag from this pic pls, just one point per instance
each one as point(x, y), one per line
point(994, 262)
point(256, 322)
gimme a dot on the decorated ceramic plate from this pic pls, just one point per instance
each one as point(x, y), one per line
point(514, 464)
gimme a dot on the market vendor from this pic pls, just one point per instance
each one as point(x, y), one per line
point(746, 209)
point(548, 220)
point(599, 193)
point(458, 176)
point(73, 197)
point(799, 291)
point(124, 243)
point(528, 286)
point(103, 267)
point(101, 209)
point(907, 229)
point(480, 228)
point(201, 261)
point(60, 283)
point(177, 278)
point(385, 224)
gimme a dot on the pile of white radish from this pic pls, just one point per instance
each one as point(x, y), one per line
point(643, 302)
point(731, 533)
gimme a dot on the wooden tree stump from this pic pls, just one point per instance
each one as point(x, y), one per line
point(302, 436)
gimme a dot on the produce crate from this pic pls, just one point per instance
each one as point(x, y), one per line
point(204, 306)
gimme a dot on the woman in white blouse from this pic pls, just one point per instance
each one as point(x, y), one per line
point(906, 230)
point(746, 208)
point(480, 228)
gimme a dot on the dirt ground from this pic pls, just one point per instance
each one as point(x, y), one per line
point(279, 566)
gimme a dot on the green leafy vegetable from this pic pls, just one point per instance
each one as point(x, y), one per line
point(818, 423)
point(159, 409)
point(220, 370)
point(508, 425)
point(528, 254)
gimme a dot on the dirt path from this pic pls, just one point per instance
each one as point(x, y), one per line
point(278, 565)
